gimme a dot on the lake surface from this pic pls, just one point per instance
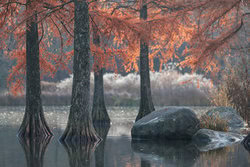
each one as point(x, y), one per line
point(116, 150)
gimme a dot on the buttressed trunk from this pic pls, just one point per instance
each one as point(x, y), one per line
point(99, 111)
point(34, 124)
point(80, 127)
point(146, 103)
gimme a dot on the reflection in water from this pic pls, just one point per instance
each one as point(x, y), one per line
point(145, 163)
point(102, 131)
point(234, 156)
point(118, 151)
point(34, 150)
point(175, 153)
point(79, 153)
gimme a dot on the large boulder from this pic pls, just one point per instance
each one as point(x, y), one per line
point(235, 121)
point(207, 139)
point(168, 123)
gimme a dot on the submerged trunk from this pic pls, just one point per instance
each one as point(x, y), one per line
point(99, 111)
point(146, 103)
point(80, 127)
point(34, 124)
point(34, 150)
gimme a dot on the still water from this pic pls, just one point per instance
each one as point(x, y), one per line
point(116, 150)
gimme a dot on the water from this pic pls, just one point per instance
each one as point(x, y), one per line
point(117, 150)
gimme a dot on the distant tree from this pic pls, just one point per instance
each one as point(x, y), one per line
point(99, 111)
point(161, 28)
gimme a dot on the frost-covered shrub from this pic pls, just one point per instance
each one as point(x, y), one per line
point(168, 88)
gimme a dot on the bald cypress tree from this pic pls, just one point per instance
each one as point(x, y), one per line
point(146, 102)
point(80, 127)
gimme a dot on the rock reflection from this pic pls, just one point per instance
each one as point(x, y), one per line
point(34, 150)
point(173, 153)
point(79, 153)
point(145, 163)
point(99, 152)
point(226, 157)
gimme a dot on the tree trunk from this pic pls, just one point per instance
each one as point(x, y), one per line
point(80, 127)
point(34, 150)
point(99, 111)
point(34, 124)
point(146, 103)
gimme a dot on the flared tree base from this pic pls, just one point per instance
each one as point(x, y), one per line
point(80, 134)
point(34, 126)
point(143, 112)
point(100, 117)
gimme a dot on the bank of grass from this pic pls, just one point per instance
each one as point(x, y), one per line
point(214, 123)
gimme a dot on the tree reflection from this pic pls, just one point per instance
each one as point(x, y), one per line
point(100, 150)
point(145, 163)
point(34, 149)
point(79, 153)
point(246, 143)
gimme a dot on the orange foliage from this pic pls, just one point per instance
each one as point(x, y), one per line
point(209, 26)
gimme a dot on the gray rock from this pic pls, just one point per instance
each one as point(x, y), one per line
point(235, 121)
point(169, 123)
point(207, 139)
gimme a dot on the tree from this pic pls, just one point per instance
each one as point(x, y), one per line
point(160, 30)
point(20, 20)
point(146, 102)
point(34, 124)
point(80, 127)
point(99, 111)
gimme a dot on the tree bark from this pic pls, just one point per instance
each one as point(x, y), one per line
point(34, 124)
point(99, 111)
point(34, 150)
point(80, 127)
point(146, 102)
